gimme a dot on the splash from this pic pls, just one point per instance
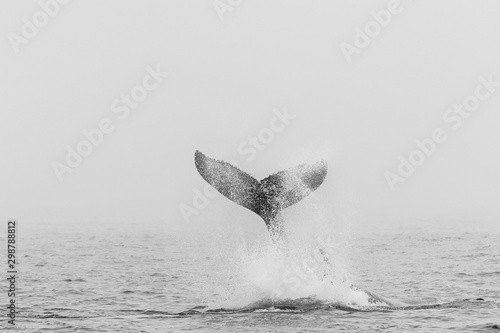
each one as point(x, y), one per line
point(305, 267)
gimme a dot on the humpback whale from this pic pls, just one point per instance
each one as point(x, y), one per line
point(267, 197)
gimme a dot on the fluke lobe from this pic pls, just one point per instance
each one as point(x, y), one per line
point(268, 197)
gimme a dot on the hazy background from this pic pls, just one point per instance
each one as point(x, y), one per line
point(225, 79)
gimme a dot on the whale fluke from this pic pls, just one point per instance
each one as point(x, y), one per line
point(268, 197)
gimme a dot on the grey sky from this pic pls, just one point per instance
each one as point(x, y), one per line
point(225, 79)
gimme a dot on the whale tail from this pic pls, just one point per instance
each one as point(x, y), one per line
point(267, 197)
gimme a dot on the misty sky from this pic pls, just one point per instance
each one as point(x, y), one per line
point(225, 78)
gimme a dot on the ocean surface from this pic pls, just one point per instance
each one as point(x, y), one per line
point(93, 277)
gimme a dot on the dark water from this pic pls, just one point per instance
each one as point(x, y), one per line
point(138, 279)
